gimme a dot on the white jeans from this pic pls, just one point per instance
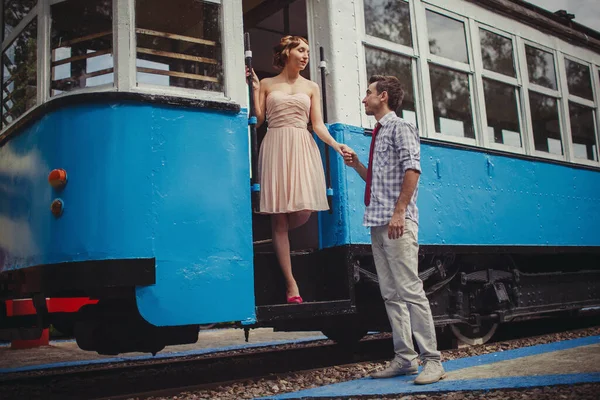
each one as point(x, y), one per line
point(397, 264)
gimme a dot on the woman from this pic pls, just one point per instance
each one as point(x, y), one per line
point(290, 168)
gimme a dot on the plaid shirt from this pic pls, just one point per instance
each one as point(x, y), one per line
point(397, 149)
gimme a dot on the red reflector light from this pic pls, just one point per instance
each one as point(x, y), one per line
point(57, 207)
point(57, 178)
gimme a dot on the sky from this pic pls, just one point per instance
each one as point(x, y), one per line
point(587, 12)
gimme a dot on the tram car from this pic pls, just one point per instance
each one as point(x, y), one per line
point(125, 165)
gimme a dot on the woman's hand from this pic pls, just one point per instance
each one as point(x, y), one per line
point(342, 149)
point(255, 80)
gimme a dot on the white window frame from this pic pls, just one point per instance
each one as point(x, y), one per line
point(392, 48)
point(450, 65)
point(515, 81)
point(481, 73)
point(581, 102)
point(140, 87)
point(45, 63)
point(556, 94)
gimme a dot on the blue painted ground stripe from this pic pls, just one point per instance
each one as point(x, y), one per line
point(196, 352)
point(368, 386)
point(518, 353)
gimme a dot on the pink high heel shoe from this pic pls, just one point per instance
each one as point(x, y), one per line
point(294, 300)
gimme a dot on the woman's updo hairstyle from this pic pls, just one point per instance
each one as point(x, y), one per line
point(281, 52)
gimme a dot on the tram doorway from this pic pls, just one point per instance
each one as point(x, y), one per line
point(267, 21)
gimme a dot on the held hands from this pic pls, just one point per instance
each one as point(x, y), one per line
point(396, 225)
point(351, 158)
point(255, 80)
point(342, 149)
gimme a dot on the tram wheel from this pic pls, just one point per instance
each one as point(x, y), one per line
point(474, 335)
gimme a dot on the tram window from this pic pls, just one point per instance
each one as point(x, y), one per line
point(540, 65)
point(19, 77)
point(385, 63)
point(497, 53)
point(545, 122)
point(388, 19)
point(14, 12)
point(579, 79)
point(503, 122)
point(451, 97)
point(583, 132)
point(179, 44)
point(447, 37)
point(81, 44)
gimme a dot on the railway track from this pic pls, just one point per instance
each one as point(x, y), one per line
point(170, 376)
point(112, 380)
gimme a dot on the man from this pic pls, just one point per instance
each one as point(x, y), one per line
point(391, 213)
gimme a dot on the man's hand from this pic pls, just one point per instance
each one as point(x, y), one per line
point(351, 158)
point(396, 225)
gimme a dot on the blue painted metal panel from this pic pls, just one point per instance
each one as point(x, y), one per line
point(468, 197)
point(335, 226)
point(144, 181)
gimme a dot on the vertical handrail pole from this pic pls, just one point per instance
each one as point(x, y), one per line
point(323, 67)
point(254, 182)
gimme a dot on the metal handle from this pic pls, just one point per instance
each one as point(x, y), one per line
point(322, 67)
point(254, 181)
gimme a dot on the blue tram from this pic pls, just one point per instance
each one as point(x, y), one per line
point(125, 165)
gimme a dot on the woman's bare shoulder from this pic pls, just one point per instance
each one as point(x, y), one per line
point(267, 81)
point(311, 87)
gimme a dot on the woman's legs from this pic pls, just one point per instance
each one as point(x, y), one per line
point(281, 224)
point(281, 243)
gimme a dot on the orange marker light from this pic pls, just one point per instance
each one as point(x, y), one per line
point(57, 207)
point(57, 178)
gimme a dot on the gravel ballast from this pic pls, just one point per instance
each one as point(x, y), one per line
point(310, 379)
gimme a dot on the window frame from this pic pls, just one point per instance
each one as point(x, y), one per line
point(394, 48)
point(384, 44)
point(45, 60)
point(521, 35)
point(174, 90)
point(539, 88)
point(497, 76)
point(556, 94)
point(450, 65)
point(481, 73)
point(593, 104)
point(581, 100)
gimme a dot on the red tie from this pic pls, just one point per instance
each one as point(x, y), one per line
point(370, 169)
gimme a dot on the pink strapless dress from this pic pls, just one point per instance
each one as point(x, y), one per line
point(289, 162)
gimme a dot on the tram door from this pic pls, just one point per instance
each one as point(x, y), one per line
point(267, 21)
